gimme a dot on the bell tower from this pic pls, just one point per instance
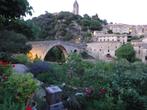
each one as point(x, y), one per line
point(76, 8)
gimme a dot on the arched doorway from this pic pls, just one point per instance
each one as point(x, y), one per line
point(56, 54)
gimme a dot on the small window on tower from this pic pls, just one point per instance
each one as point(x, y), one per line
point(145, 57)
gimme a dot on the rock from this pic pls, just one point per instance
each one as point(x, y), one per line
point(20, 68)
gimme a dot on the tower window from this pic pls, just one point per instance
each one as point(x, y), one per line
point(145, 57)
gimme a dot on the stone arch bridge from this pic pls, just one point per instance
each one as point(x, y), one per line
point(41, 48)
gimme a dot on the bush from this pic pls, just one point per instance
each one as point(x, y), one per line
point(22, 58)
point(126, 51)
point(4, 56)
point(47, 78)
point(8, 104)
point(20, 87)
point(40, 67)
point(12, 42)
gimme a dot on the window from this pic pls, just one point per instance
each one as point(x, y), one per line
point(139, 50)
point(75, 51)
point(145, 57)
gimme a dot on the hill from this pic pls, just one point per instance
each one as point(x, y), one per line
point(67, 26)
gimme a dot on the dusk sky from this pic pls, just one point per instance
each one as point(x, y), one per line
point(116, 11)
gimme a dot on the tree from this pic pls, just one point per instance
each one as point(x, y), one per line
point(27, 28)
point(10, 13)
point(87, 36)
point(66, 25)
point(10, 25)
point(95, 25)
point(14, 8)
point(126, 51)
point(110, 31)
point(95, 17)
point(11, 42)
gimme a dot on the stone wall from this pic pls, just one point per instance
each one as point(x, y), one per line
point(140, 48)
point(105, 37)
point(103, 50)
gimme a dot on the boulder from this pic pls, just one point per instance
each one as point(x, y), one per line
point(20, 68)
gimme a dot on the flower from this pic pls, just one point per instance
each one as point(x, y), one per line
point(4, 63)
point(88, 91)
point(5, 77)
point(102, 91)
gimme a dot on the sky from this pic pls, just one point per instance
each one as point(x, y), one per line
point(116, 11)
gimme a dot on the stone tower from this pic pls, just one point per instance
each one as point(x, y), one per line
point(76, 8)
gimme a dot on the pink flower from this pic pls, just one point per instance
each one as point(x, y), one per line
point(88, 91)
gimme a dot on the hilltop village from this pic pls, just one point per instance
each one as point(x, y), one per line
point(104, 43)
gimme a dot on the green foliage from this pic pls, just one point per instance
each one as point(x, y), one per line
point(56, 76)
point(14, 8)
point(74, 63)
point(27, 28)
point(5, 69)
point(10, 105)
point(20, 87)
point(126, 51)
point(66, 25)
point(15, 89)
point(46, 78)
point(87, 37)
point(8, 43)
point(117, 85)
point(10, 13)
point(2, 21)
point(22, 58)
point(93, 23)
point(55, 55)
point(110, 31)
point(130, 38)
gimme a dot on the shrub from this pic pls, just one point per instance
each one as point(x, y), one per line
point(40, 67)
point(126, 51)
point(48, 78)
point(8, 104)
point(4, 56)
point(22, 58)
point(20, 87)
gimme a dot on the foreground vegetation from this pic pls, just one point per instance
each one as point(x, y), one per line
point(117, 85)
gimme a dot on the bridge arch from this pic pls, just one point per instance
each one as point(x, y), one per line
point(60, 47)
point(41, 48)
